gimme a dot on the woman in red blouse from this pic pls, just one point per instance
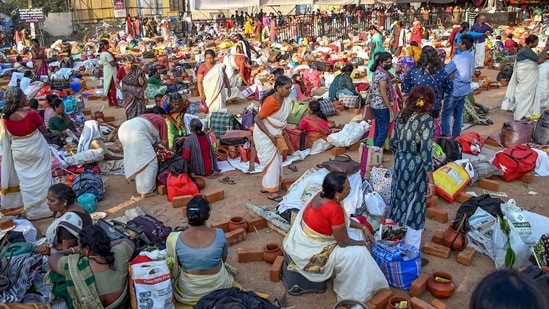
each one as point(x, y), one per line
point(26, 166)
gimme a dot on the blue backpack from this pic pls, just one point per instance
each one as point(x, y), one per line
point(89, 182)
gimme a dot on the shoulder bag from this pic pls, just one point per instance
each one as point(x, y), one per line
point(341, 163)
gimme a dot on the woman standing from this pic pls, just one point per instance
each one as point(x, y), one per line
point(272, 29)
point(39, 58)
point(110, 68)
point(212, 80)
point(383, 97)
point(26, 166)
point(522, 95)
point(316, 127)
point(133, 87)
point(429, 72)
point(399, 39)
point(417, 31)
point(198, 151)
point(199, 254)
point(269, 123)
point(413, 176)
point(376, 46)
point(324, 242)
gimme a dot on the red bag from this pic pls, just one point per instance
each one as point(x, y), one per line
point(180, 185)
point(298, 138)
point(515, 161)
point(470, 142)
point(245, 154)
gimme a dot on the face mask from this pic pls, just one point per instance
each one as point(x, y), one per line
point(387, 66)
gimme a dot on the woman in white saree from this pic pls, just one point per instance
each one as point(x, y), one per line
point(270, 122)
point(320, 245)
point(523, 94)
point(26, 166)
point(211, 81)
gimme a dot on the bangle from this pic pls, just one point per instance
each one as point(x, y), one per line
point(72, 250)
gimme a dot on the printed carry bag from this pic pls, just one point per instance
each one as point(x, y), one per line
point(151, 283)
point(399, 262)
point(450, 180)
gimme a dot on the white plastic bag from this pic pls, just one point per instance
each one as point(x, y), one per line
point(520, 249)
point(375, 204)
point(350, 134)
point(517, 219)
point(152, 285)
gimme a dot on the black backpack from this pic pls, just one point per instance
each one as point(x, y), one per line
point(451, 148)
point(505, 73)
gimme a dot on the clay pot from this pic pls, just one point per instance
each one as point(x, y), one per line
point(452, 240)
point(98, 115)
point(477, 73)
point(238, 222)
point(222, 154)
point(200, 182)
point(271, 251)
point(440, 285)
point(396, 300)
point(504, 82)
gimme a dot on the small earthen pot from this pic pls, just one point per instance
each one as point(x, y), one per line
point(222, 154)
point(98, 115)
point(271, 251)
point(238, 222)
point(440, 285)
point(200, 182)
point(395, 301)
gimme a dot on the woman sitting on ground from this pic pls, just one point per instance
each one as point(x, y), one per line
point(154, 85)
point(68, 220)
point(199, 255)
point(342, 84)
point(322, 245)
point(60, 124)
point(316, 127)
point(198, 151)
point(99, 264)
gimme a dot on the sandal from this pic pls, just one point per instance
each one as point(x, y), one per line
point(214, 175)
point(227, 180)
point(292, 168)
point(276, 198)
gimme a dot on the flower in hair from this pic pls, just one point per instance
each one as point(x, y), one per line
point(420, 102)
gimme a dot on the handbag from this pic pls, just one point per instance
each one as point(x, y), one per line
point(180, 185)
point(455, 239)
point(298, 138)
point(516, 132)
point(515, 161)
point(341, 163)
point(399, 262)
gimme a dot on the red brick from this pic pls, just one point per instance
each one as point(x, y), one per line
point(420, 304)
point(338, 108)
point(545, 269)
point(181, 201)
point(224, 225)
point(380, 300)
point(108, 118)
point(437, 214)
point(86, 112)
point(161, 189)
point(437, 237)
point(437, 303)
point(488, 184)
point(214, 196)
point(419, 286)
point(433, 201)
point(259, 223)
point(276, 268)
point(527, 178)
point(354, 147)
point(338, 150)
point(436, 250)
point(465, 257)
point(286, 183)
point(236, 236)
point(355, 111)
point(462, 197)
point(249, 255)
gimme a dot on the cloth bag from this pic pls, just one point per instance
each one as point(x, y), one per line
point(297, 111)
point(381, 179)
point(399, 262)
point(341, 163)
point(180, 185)
point(516, 132)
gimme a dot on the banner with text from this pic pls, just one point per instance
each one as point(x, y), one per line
point(119, 9)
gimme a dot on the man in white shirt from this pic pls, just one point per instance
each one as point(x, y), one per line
point(25, 81)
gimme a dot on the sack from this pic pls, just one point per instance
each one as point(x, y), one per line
point(455, 239)
point(541, 134)
point(515, 161)
point(341, 163)
point(371, 156)
point(298, 138)
point(221, 122)
point(439, 157)
point(155, 231)
point(247, 119)
point(180, 185)
point(235, 137)
point(540, 254)
point(381, 179)
point(451, 148)
point(516, 132)
point(349, 101)
point(297, 111)
point(152, 285)
point(88, 182)
point(450, 180)
point(399, 262)
point(470, 142)
point(284, 145)
point(203, 107)
point(327, 107)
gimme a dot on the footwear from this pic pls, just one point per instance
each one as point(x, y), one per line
point(227, 180)
point(292, 168)
point(150, 194)
point(424, 262)
point(277, 198)
point(214, 175)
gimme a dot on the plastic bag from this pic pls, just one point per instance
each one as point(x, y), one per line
point(512, 254)
point(152, 285)
point(517, 219)
point(350, 134)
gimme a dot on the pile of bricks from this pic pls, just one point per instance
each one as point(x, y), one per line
point(419, 286)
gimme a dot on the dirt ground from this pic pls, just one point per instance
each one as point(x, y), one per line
point(120, 196)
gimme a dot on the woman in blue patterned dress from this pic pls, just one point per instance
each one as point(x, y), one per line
point(413, 179)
